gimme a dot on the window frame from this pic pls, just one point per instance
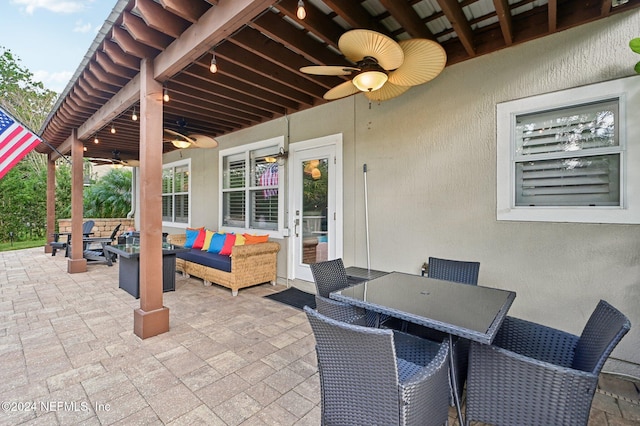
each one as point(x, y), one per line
point(628, 211)
point(174, 165)
point(277, 143)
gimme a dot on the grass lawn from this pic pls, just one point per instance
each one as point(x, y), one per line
point(19, 245)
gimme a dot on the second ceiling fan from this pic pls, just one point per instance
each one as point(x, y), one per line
point(384, 68)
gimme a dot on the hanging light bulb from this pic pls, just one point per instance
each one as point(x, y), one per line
point(113, 129)
point(134, 116)
point(165, 96)
point(84, 148)
point(214, 64)
point(301, 13)
point(95, 139)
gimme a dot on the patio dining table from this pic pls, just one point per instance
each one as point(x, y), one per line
point(467, 311)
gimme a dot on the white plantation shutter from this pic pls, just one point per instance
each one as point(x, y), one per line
point(568, 157)
point(175, 192)
point(250, 190)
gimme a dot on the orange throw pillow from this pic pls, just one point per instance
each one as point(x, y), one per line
point(255, 239)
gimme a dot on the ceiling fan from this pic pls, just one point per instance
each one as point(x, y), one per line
point(180, 139)
point(384, 68)
point(115, 160)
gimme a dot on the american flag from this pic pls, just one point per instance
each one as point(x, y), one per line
point(16, 141)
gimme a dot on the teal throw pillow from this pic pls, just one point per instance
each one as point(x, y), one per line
point(217, 242)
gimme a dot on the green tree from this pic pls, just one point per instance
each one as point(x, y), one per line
point(109, 195)
point(23, 189)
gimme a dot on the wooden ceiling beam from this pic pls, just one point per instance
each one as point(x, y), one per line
point(355, 15)
point(130, 46)
point(204, 94)
point(119, 57)
point(102, 75)
point(230, 92)
point(92, 80)
point(107, 64)
point(267, 48)
point(188, 10)
point(316, 53)
point(504, 17)
point(236, 82)
point(552, 14)
point(144, 34)
point(212, 28)
point(92, 90)
point(241, 57)
point(455, 15)
point(316, 21)
point(160, 19)
point(408, 19)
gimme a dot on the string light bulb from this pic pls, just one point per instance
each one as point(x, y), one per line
point(134, 116)
point(165, 96)
point(301, 13)
point(113, 129)
point(214, 64)
point(95, 139)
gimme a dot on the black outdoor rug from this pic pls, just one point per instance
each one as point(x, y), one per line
point(294, 297)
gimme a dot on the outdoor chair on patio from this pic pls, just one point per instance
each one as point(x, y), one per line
point(97, 253)
point(458, 271)
point(537, 375)
point(341, 311)
point(454, 270)
point(56, 244)
point(330, 276)
point(378, 376)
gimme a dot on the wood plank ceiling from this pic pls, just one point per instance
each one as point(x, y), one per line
point(258, 76)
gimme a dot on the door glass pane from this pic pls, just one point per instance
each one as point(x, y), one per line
point(314, 224)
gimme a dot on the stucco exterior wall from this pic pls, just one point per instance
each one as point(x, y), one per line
point(431, 158)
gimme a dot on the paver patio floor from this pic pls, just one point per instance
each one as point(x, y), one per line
point(68, 354)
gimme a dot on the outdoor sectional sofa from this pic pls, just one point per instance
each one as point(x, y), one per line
point(248, 265)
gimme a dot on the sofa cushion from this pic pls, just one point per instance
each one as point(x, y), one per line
point(212, 260)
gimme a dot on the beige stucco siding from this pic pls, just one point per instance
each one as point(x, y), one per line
point(431, 157)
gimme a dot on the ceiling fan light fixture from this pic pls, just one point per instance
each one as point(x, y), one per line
point(181, 144)
point(301, 13)
point(370, 80)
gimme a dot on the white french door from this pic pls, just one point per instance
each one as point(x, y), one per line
point(316, 203)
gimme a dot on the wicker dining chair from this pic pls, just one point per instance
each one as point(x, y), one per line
point(537, 375)
point(454, 270)
point(457, 271)
point(341, 311)
point(329, 276)
point(378, 376)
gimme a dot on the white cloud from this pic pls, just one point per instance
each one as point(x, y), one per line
point(57, 6)
point(81, 27)
point(56, 81)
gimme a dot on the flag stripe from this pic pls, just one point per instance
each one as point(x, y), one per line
point(15, 142)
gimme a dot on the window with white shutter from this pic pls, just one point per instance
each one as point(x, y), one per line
point(176, 193)
point(251, 184)
point(564, 157)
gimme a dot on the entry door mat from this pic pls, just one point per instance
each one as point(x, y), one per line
point(294, 297)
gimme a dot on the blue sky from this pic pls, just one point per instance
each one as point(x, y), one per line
point(51, 37)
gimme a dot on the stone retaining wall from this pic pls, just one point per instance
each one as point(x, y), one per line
point(102, 227)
